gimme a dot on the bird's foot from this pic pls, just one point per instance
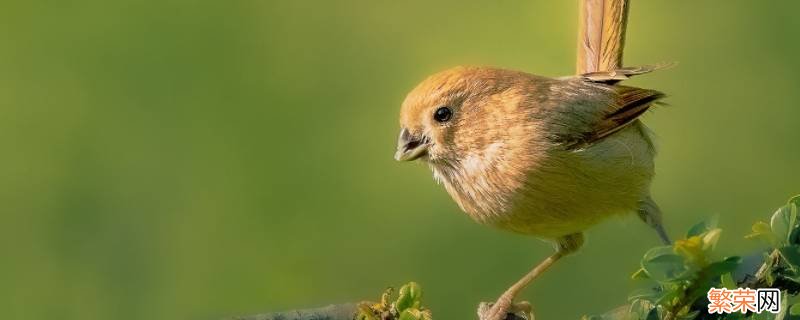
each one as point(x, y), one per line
point(505, 311)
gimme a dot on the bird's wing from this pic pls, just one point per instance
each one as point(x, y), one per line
point(603, 115)
point(630, 104)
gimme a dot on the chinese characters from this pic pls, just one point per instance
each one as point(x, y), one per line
point(743, 300)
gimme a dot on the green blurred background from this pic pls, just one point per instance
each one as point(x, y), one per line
point(192, 160)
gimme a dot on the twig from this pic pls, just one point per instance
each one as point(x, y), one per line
point(333, 312)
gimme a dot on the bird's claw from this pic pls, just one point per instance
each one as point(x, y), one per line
point(517, 311)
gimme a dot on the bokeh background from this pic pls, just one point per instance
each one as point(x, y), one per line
point(197, 159)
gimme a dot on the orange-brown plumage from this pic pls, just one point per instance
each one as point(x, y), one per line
point(534, 155)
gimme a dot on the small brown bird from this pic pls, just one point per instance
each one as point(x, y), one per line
point(534, 155)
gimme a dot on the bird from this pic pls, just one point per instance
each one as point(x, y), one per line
point(540, 156)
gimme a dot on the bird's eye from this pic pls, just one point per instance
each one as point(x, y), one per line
point(442, 114)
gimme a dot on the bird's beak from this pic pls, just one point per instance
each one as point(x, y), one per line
point(410, 147)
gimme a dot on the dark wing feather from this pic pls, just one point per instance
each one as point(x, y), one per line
point(627, 105)
point(630, 104)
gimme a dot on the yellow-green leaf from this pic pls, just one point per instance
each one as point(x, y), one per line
point(410, 296)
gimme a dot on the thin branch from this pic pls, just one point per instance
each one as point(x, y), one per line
point(341, 312)
point(333, 312)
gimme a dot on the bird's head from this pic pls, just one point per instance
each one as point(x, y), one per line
point(476, 129)
point(457, 111)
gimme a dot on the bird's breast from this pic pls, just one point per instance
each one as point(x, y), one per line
point(483, 184)
point(550, 192)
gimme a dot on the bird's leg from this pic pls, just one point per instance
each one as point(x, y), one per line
point(518, 311)
point(651, 214)
point(499, 310)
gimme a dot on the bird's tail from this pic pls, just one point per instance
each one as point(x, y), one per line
point(621, 74)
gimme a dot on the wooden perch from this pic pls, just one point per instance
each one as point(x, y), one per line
point(601, 35)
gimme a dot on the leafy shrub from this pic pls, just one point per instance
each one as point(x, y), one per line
point(679, 276)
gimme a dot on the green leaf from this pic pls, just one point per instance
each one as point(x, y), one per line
point(795, 310)
point(409, 297)
point(794, 206)
point(662, 264)
point(784, 221)
point(725, 266)
point(794, 236)
point(791, 254)
point(762, 231)
point(640, 274)
point(795, 200)
point(728, 282)
point(702, 227)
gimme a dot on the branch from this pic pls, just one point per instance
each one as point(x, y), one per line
point(601, 35)
point(342, 312)
point(333, 312)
